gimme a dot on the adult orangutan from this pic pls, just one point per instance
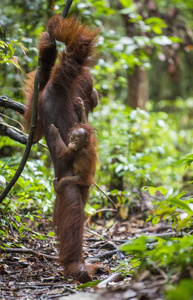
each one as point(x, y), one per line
point(60, 85)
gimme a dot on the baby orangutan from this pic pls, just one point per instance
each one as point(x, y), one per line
point(80, 155)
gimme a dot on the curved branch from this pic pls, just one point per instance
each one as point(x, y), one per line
point(30, 137)
point(14, 105)
point(66, 8)
point(105, 194)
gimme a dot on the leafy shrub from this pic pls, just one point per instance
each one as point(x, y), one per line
point(140, 146)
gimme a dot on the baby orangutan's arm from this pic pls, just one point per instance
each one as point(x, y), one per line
point(81, 110)
point(65, 180)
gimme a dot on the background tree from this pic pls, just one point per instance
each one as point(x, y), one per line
point(133, 152)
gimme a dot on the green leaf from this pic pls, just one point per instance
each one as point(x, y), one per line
point(183, 290)
point(126, 3)
point(181, 204)
point(137, 245)
point(88, 284)
point(89, 210)
point(18, 219)
point(51, 233)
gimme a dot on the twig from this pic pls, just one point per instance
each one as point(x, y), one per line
point(104, 245)
point(12, 127)
point(39, 285)
point(103, 192)
point(27, 251)
point(104, 209)
point(112, 278)
point(95, 233)
point(164, 275)
point(168, 235)
point(92, 240)
point(105, 255)
point(4, 116)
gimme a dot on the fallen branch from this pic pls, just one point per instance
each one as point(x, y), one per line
point(105, 255)
point(27, 251)
point(112, 278)
point(95, 233)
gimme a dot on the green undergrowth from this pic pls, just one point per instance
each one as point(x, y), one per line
point(149, 152)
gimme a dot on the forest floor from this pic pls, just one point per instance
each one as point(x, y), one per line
point(32, 276)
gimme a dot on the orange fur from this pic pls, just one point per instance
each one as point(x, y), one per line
point(70, 76)
point(82, 162)
point(62, 82)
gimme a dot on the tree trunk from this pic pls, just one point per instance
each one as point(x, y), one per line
point(138, 88)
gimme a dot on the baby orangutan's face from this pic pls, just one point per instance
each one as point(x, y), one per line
point(78, 139)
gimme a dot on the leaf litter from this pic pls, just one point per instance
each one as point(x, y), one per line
point(33, 276)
